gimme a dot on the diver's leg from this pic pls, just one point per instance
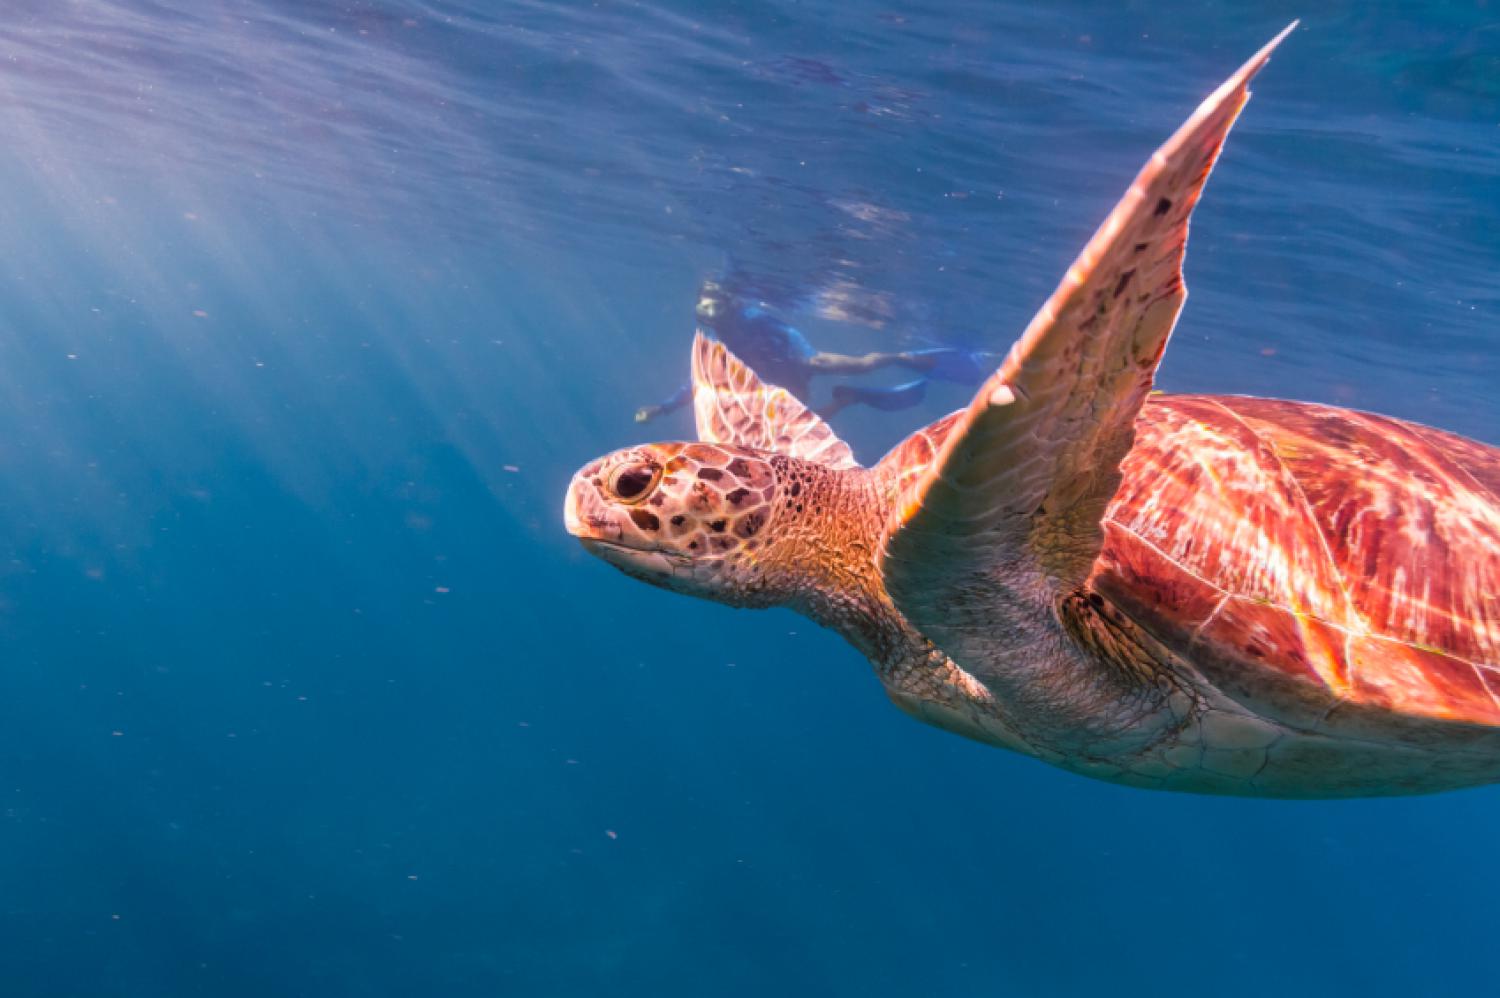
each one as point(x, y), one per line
point(885, 399)
point(960, 366)
point(676, 401)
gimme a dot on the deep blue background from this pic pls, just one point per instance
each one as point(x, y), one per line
point(309, 310)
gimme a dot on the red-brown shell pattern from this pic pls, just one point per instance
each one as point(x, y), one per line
point(906, 463)
point(1355, 552)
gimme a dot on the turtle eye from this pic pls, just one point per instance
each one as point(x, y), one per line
point(634, 482)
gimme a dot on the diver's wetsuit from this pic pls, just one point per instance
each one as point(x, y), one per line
point(781, 355)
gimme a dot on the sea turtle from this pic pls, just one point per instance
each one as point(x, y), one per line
point(1214, 594)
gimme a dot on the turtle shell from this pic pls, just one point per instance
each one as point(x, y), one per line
point(1311, 560)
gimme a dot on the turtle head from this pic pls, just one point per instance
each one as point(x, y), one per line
point(690, 517)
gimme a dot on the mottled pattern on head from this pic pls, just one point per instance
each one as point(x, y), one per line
point(688, 516)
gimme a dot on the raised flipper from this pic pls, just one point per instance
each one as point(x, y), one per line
point(1012, 496)
point(733, 406)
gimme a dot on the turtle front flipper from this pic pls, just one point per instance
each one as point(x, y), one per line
point(733, 406)
point(1012, 496)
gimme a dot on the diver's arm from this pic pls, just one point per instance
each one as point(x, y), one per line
point(675, 401)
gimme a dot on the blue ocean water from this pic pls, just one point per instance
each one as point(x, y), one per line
point(309, 310)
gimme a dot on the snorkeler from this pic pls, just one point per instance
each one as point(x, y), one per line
point(784, 357)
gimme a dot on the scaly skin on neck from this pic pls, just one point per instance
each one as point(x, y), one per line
point(1053, 698)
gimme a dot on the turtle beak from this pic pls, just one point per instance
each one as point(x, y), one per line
point(587, 517)
point(584, 513)
point(570, 511)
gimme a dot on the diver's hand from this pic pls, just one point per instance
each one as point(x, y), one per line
point(647, 413)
